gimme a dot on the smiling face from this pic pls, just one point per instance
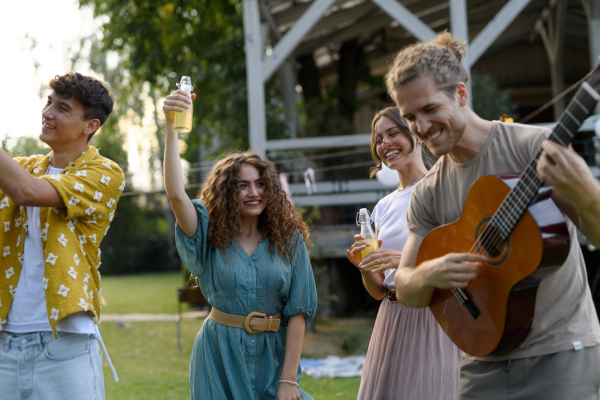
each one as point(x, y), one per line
point(63, 125)
point(432, 115)
point(250, 192)
point(392, 145)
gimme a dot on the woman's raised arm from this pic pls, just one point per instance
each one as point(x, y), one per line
point(182, 205)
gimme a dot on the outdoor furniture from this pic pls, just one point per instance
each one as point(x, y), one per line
point(190, 296)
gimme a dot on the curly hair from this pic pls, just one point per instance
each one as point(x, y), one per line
point(440, 59)
point(90, 92)
point(279, 221)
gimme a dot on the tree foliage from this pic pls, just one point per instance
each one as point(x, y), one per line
point(24, 146)
point(159, 41)
point(488, 101)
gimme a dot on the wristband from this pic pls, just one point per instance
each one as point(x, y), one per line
point(290, 382)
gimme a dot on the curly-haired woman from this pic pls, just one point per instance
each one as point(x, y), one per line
point(409, 355)
point(246, 244)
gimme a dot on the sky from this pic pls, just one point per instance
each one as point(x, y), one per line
point(35, 33)
point(37, 39)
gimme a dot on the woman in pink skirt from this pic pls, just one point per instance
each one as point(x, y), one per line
point(410, 356)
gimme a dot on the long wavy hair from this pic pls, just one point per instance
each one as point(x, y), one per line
point(279, 221)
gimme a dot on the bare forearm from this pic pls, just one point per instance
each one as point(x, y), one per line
point(13, 179)
point(410, 289)
point(374, 284)
point(172, 166)
point(182, 206)
point(293, 347)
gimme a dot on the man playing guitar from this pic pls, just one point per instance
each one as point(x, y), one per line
point(560, 356)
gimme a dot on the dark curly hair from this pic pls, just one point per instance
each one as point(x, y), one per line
point(90, 92)
point(279, 221)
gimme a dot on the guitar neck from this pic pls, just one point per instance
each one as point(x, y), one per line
point(521, 196)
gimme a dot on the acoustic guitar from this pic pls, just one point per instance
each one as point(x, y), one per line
point(511, 220)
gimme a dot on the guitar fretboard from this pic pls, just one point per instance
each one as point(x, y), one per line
point(520, 197)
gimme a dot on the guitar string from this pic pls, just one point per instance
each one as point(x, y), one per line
point(517, 200)
point(529, 176)
point(460, 294)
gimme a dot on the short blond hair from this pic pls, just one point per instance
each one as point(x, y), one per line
point(440, 59)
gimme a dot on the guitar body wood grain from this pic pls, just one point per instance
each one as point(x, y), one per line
point(505, 289)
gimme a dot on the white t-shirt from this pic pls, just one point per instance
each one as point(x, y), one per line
point(389, 216)
point(28, 312)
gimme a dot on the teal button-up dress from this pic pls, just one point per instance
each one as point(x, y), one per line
point(229, 363)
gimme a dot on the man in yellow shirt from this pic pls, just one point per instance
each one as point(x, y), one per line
point(54, 212)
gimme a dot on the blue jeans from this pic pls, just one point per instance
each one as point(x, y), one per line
point(35, 366)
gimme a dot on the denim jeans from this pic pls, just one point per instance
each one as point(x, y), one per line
point(35, 366)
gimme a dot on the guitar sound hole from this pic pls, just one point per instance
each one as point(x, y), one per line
point(492, 246)
point(489, 242)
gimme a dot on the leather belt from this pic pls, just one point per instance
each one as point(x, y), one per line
point(391, 295)
point(255, 322)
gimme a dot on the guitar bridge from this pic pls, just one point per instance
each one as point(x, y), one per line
point(466, 300)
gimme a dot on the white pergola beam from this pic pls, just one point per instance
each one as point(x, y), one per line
point(256, 89)
point(458, 19)
point(319, 142)
point(291, 14)
point(294, 36)
point(494, 28)
point(460, 28)
point(344, 16)
point(407, 19)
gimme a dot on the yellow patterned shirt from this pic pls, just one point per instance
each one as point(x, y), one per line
point(90, 187)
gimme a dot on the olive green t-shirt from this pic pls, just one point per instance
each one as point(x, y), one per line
point(565, 316)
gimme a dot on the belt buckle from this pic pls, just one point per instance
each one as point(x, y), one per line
point(249, 318)
point(389, 296)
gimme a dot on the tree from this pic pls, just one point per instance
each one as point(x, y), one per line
point(24, 146)
point(490, 102)
point(159, 41)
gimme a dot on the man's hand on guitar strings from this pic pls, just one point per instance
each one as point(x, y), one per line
point(569, 174)
point(452, 270)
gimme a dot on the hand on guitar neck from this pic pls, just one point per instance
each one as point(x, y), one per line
point(569, 174)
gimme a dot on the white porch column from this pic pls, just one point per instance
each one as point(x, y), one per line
point(460, 28)
point(551, 27)
point(256, 90)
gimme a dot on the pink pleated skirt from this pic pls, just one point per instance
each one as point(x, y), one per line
point(410, 357)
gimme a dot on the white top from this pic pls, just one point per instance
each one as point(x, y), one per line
point(389, 216)
point(28, 312)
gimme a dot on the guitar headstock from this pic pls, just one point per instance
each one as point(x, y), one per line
point(594, 78)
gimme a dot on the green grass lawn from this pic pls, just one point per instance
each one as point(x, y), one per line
point(145, 353)
point(148, 293)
